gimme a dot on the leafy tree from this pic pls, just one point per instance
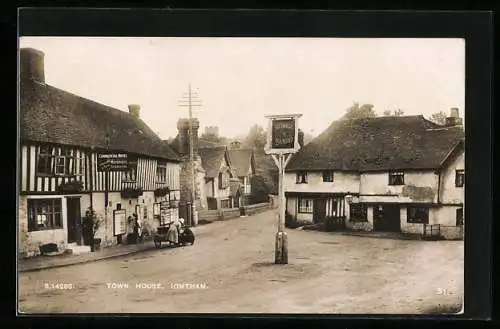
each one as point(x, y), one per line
point(359, 112)
point(439, 118)
point(256, 137)
point(396, 113)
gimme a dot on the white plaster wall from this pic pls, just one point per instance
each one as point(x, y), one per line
point(342, 183)
point(412, 228)
point(378, 183)
point(449, 192)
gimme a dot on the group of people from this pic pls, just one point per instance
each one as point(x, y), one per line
point(176, 228)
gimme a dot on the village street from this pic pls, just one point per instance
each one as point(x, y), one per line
point(231, 270)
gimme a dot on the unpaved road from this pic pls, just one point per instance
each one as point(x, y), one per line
point(232, 265)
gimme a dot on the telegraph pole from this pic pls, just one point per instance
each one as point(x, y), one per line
point(192, 101)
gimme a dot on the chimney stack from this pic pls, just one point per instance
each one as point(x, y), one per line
point(183, 128)
point(454, 119)
point(134, 110)
point(31, 65)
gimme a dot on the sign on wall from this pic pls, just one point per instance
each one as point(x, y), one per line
point(112, 161)
point(282, 134)
point(119, 222)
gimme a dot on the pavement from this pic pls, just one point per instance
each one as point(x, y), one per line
point(230, 269)
point(38, 263)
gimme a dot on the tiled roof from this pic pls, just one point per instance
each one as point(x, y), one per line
point(211, 158)
point(235, 187)
point(49, 114)
point(384, 143)
point(241, 160)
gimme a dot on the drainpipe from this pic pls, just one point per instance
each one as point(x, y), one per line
point(439, 188)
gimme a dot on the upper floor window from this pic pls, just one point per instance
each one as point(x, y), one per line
point(44, 214)
point(418, 215)
point(396, 178)
point(60, 161)
point(327, 176)
point(161, 172)
point(131, 174)
point(460, 178)
point(301, 177)
point(223, 180)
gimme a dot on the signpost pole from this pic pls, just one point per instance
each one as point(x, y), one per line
point(281, 254)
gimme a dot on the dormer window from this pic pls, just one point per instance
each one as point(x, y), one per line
point(328, 176)
point(396, 178)
point(460, 178)
point(301, 177)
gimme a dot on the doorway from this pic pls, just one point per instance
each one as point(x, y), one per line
point(74, 219)
point(319, 210)
point(386, 218)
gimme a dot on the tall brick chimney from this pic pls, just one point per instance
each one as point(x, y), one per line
point(134, 110)
point(454, 119)
point(183, 135)
point(31, 65)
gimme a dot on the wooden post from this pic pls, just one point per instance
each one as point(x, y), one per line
point(281, 253)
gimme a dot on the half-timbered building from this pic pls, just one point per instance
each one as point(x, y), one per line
point(61, 137)
point(402, 174)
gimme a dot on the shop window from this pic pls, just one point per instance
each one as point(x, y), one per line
point(305, 205)
point(460, 216)
point(417, 215)
point(358, 212)
point(397, 178)
point(44, 214)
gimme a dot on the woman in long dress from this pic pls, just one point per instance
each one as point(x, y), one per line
point(173, 232)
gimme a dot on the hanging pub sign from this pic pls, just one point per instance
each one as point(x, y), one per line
point(112, 161)
point(282, 134)
point(119, 222)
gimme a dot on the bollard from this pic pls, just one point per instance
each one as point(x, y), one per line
point(281, 254)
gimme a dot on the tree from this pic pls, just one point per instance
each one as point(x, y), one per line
point(256, 137)
point(396, 113)
point(359, 112)
point(439, 118)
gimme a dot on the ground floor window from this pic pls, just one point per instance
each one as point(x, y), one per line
point(44, 214)
point(417, 215)
point(306, 205)
point(358, 212)
point(460, 216)
point(224, 204)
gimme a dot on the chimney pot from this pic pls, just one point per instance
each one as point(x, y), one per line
point(31, 65)
point(454, 119)
point(135, 110)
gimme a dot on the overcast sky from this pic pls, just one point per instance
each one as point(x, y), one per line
point(240, 80)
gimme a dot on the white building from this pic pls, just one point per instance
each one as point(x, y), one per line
point(403, 174)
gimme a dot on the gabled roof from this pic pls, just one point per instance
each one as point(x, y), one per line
point(383, 143)
point(52, 115)
point(235, 187)
point(241, 160)
point(211, 158)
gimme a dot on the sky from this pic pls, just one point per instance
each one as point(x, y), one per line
point(239, 81)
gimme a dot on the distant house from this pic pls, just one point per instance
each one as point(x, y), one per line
point(403, 174)
point(218, 174)
point(243, 163)
point(62, 135)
